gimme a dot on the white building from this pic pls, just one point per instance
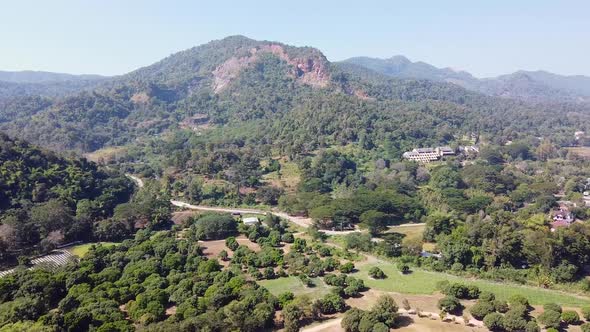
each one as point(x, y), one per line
point(426, 155)
point(251, 221)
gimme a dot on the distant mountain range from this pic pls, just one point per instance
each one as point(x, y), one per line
point(535, 86)
point(29, 76)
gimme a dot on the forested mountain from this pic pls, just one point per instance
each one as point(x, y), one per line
point(291, 96)
point(535, 86)
point(29, 76)
point(47, 200)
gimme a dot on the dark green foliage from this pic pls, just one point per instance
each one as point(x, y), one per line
point(532, 326)
point(552, 306)
point(449, 304)
point(214, 227)
point(586, 312)
point(382, 316)
point(376, 273)
point(550, 319)
point(570, 317)
point(494, 321)
point(461, 291)
point(331, 304)
point(518, 299)
point(47, 200)
point(481, 309)
point(347, 267)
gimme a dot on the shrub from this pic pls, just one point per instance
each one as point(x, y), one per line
point(380, 327)
point(449, 304)
point(494, 321)
point(481, 309)
point(376, 273)
point(532, 327)
point(287, 238)
point(518, 299)
point(404, 268)
point(231, 243)
point(457, 267)
point(473, 292)
point(513, 321)
point(519, 310)
point(550, 319)
point(501, 306)
point(285, 298)
point(552, 306)
point(351, 320)
point(443, 285)
point(586, 313)
point(487, 296)
point(570, 317)
point(347, 267)
point(331, 304)
point(585, 327)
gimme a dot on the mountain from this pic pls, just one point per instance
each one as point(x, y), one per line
point(401, 67)
point(278, 96)
point(29, 76)
point(535, 86)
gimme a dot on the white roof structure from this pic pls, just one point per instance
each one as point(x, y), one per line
point(250, 220)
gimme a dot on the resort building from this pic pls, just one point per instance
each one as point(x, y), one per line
point(426, 155)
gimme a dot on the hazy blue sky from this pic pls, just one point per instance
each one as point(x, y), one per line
point(117, 36)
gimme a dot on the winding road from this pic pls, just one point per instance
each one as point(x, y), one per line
point(300, 221)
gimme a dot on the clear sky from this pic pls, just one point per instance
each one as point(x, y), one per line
point(486, 38)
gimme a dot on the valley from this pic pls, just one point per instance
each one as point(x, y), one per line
point(251, 185)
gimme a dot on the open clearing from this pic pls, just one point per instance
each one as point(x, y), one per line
point(424, 282)
point(211, 249)
point(293, 284)
point(409, 230)
point(583, 152)
point(288, 178)
point(81, 249)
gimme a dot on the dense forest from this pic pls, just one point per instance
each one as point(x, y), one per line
point(47, 200)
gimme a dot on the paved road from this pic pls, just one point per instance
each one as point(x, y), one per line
point(301, 221)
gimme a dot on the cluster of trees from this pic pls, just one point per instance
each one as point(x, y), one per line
point(147, 276)
point(47, 200)
point(382, 317)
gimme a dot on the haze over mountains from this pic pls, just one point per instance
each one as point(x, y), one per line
point(527, 85)
point(29, 76)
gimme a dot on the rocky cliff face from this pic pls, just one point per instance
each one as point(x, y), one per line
point(308, 68)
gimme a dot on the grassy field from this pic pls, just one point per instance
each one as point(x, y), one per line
point(293, 284)
point(411, 231)
point(424, 282)
point(81, 249)
point(289, 178)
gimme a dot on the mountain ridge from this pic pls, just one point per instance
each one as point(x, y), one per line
point(290, 95)
point(542, 86)
point(34, 76)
